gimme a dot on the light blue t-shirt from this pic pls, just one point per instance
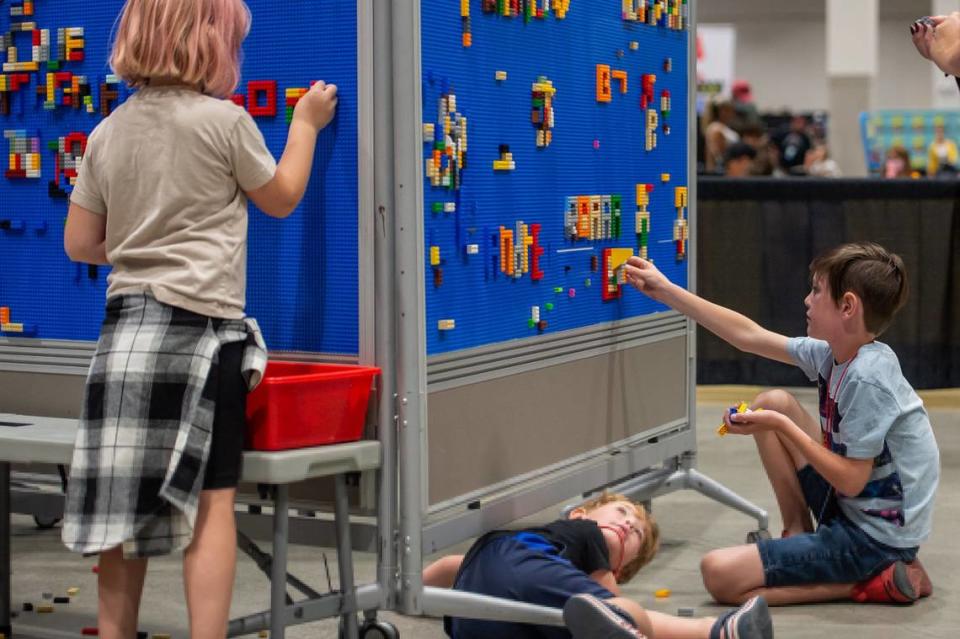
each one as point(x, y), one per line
point(868, 410)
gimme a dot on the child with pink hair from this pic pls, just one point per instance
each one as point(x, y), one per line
point(162, 196)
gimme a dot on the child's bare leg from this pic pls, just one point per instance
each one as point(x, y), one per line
point(119, 584)
point(734, 575)
point(670, 627)
point(640, 616)
point(443, 572)
point(209, 564)
point(813, 593)
point(781, 460)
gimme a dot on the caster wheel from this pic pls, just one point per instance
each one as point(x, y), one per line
point(45, 523)
point(756, 535)
point(379, 630)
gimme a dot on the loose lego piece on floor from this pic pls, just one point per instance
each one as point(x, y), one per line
point(263, 634)
point(686, 612)
point(501, 76)
point(90, 632)
point(57, 600)
point(47, 595)
point(42, 608)
point(663, 593)
point(141, 634)
point(446, 324)
point(161, 635)
point(73, 591)
point(27, 606)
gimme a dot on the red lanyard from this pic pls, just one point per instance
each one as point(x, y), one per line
point(833, 401)
point(621, 536)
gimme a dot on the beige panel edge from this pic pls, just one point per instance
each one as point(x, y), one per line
point(482, 434)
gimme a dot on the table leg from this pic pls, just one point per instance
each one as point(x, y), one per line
point(278, 578)
point(348, 621)
point(5, 626)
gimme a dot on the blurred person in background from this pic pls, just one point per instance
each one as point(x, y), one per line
point(738, 160)
point(897, 163)
point(818, 162)
point(942, 154)
point(794, 144)
point(718, 133)
point(747, 114)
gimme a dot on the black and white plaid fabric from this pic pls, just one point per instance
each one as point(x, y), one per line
point(145, 430)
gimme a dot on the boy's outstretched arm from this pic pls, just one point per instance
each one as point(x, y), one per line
point(443, 572)
point(730, 326)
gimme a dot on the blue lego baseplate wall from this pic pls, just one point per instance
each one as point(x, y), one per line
point(302, 271)
point(480, 289)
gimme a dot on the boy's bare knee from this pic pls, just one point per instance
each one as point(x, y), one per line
point(712, 569)
point(774, 399)
point(719, 579)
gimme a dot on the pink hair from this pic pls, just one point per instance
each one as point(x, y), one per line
point(194, 41)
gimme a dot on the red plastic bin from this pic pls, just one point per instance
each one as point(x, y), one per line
point(300, 404)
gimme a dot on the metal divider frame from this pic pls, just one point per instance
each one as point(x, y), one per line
point(410, 358)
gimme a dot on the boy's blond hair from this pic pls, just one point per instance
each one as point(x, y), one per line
point(877, 276)
point(651, 533)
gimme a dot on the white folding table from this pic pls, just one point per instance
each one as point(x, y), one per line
point(48, 440)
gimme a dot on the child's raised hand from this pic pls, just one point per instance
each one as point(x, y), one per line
point(317, 106)
point(645, 277)
point(937, 38)
point(922, 32)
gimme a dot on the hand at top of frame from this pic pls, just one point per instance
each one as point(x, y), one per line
point(937, 38)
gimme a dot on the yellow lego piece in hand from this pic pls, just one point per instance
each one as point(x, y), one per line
point(742, 407)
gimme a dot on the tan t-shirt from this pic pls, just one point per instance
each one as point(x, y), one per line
point(170, 168)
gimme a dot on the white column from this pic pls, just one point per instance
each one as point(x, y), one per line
point(945, 92)
point(852, 35)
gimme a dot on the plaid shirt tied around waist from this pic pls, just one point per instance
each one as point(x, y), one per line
point(145, 429)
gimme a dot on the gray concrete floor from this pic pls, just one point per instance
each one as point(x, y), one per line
point(691, 525)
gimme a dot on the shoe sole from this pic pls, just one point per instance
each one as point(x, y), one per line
point(903, 582)
point(756, 625)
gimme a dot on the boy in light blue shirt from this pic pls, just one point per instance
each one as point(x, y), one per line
point(867, 469)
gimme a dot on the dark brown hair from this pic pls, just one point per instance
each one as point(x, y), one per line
point(874, 274)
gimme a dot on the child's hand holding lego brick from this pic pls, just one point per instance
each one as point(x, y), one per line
point(741, 407)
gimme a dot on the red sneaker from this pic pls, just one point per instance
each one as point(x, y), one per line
point(897, 583)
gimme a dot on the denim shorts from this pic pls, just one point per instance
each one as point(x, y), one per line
point(837, 552)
